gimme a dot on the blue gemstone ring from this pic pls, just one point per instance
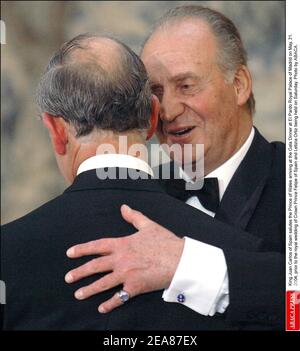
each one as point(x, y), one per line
point(180, 298)
point(123, 295)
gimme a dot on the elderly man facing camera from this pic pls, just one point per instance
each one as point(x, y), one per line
point(94, 91)
point(198, 69)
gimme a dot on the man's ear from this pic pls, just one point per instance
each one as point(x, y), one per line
point(154, 116)
point(243, 85)
point(57, 128)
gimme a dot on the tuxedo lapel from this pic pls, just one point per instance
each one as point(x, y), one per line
point(247, 184)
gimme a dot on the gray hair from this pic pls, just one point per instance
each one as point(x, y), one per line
point(89, 96)
point(231, 53)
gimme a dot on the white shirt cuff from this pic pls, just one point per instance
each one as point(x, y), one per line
point(201, 276)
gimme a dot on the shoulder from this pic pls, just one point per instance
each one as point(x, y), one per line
point(279, 150)
point(268, 153)
point(278, 157)
point(36, 219)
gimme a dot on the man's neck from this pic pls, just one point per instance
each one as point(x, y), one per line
point(124, 144)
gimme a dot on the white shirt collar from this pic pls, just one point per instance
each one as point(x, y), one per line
point(225, 172)
point(114, 160)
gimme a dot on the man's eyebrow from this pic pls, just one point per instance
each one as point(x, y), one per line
point(184, 75)
point(177, 77)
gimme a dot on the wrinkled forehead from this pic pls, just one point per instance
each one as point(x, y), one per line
point(177, 47)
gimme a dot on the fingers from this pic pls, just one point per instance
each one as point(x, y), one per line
point(109, 281)
point(136, 218)
point(113, 302)
point(97, 265)
point(96, 247)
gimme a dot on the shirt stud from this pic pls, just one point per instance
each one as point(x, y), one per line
point(180, 298)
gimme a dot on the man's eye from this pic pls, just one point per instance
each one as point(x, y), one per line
point(185, 87)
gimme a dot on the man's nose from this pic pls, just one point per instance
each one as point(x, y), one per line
point(170, 107)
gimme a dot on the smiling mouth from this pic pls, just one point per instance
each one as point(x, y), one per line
point(181, 132)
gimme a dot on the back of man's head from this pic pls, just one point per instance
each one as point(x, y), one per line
point(96, 82)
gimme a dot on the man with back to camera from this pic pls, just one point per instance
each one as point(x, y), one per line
point(198, 69)
point(94, 91)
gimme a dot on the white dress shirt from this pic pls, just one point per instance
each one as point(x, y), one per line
point(201, 275)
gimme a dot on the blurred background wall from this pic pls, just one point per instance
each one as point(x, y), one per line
point(35, 29)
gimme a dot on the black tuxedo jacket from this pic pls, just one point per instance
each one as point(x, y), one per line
point(249, 227)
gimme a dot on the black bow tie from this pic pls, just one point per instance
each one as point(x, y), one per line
point(208, 195)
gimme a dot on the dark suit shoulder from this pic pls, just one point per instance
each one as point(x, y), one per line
point(279, 148)
point(38, 216)
point(278, 161)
